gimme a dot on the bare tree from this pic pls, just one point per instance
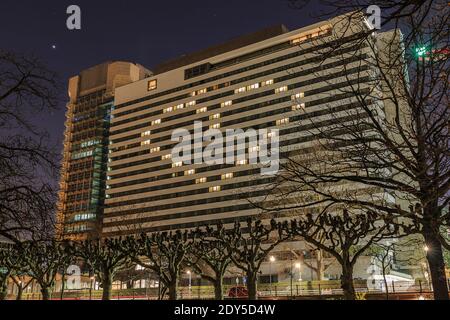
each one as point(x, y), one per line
point(388, 150)
point(12, 265)
point(405, 252)
point(43, 261)
point(345, 236)
point(250, 244)
point(317, 261)
point(393, 12)
point(105, 258)
point(8, 265)
point(210, 256)
point(165, 253)
point(29, 163)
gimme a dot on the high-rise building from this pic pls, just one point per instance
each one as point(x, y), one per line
point(86, 139)
point(273, 79)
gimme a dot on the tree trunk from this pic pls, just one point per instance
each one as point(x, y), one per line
point(62, 286)
point(45, 293)
point(347, 282)
point(436, 263)
point(173, 288)
point(218, 289)
point(3, 292)
point(252, 286)
point(320, 265)
point(385, 284)
point(19, 292)
point(107, 286)
point(4, 286)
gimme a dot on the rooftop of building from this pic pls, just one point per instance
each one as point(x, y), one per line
point(218, 49)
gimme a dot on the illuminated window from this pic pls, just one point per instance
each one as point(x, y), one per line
point(200, 180)
point(214, 189)
point(241, 162)
point(226, 103)
point(300, 40)
point(177, 164)
point(281, 89)
point(168, 109)
point(203, 109)
point(215, 126)
point(227, 176)
point(179, 106)
point(325, 31)
point(190, 104)
point(152, 85)
point(298, 96)
point(298, 106)
point(253, 86)
point(240, 90)
point(157, 121)
point(166, 156)
point(201, 91)
point(253, 149)
point(271, 134)
point(155, 149)
point(189, 172)
point(145, 142)
point(145, 133)
point(282, 121)
point(214, 116)
point(267, 83)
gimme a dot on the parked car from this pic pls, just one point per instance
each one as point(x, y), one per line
point(238, 292)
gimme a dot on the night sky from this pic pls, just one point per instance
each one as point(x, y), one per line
point(146, 32)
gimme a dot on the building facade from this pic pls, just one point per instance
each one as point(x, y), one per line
point(273, 79)
point(83, 170)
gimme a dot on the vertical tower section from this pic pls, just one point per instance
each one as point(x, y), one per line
point(86, 140)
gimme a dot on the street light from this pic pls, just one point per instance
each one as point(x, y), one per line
point(190, 281)
point(90, 288)
point(298, 266)
point(272, 260)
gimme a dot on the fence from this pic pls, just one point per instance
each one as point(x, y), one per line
point(298, 290)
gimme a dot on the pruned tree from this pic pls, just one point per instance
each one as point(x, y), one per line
point(210, 256)
point(28, 160)
point(250, 245)
point(43, 260)
point(345, 236)
point(165, 253)
point(105, 258)
point(317, 261)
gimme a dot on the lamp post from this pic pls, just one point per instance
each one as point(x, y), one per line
point(292, 276)
point(427, 249)
point(190, 281)
point(90, 288)
point(298, 266)
point(272, 260)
